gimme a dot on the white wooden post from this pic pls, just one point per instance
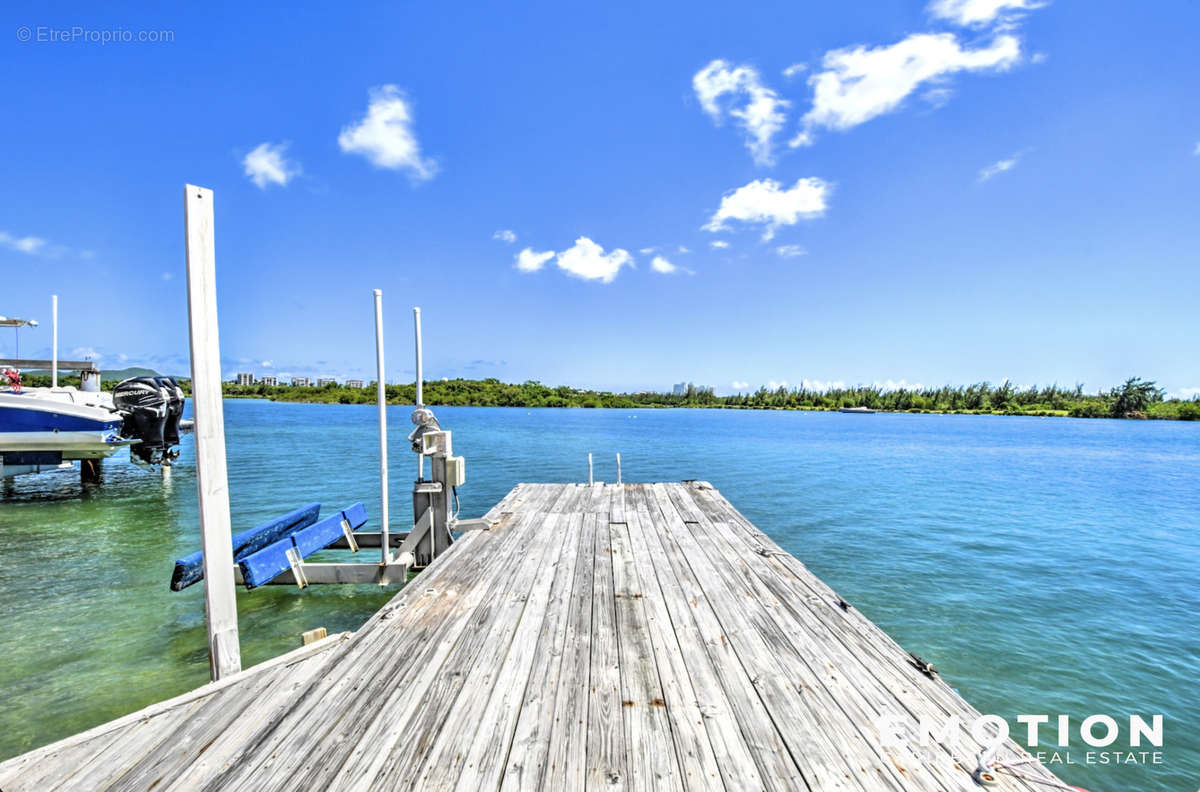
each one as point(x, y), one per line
point(381, 396)
point(618, 467)
point(589, 469)
point(54, 341)
point(212, 483)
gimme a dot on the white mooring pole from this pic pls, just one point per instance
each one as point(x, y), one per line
point(54, 341)
point(589, 469)
point(212, 483)
point(382, 397)
point(618, 467)
point(420, 396)
point(420, 377)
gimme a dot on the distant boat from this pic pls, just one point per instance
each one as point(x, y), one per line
point(858, 410)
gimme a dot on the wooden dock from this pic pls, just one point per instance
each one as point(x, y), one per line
point(637, 636)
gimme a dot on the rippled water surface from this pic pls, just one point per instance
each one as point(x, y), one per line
point(1044, 565)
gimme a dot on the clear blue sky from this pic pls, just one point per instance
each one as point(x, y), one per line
point(963, 191)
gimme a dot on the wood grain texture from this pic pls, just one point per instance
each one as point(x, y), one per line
point(596, 637)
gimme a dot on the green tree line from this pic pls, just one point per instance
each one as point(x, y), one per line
point(1135, 398)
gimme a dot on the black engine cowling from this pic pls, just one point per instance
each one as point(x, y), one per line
point(174, 414)
point(150, 409)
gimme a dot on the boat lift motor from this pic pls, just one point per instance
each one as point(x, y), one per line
point(433, 517)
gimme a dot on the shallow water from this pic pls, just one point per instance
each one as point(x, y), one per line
point(1045, 566)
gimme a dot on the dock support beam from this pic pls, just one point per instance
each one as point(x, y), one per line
point(89, 471)
point(212, 484)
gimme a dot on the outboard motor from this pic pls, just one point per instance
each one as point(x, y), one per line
point(144, 405)
point(174, 413)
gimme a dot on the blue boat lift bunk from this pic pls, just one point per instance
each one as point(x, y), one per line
point(276, 551)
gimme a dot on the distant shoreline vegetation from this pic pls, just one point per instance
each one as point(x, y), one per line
point(1136, 398)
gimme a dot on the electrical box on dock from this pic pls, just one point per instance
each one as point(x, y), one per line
point(434, 443)
point(456, 471)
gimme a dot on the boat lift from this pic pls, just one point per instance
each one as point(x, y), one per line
point(276, 552)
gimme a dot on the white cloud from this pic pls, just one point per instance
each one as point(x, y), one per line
point(764, 201)
point(821, 385)
point(86, 353)
point(683, 251)
point(588, 260)
point(385, 136)
point(28, 244)
point(757, 108)
point(977, 13)
point(266, 164)
point(266, 364)
point(794, 69)
point(719, 244)
point(660, 264)
point(999, 167)
point(166, 276)
point(773, 385)
point(529, 260)
point(937, 97)
point(739, 385)
point(505, 235)
point(893, 385)
point(646, 251)
point(790, 251)
point(1196, 151)
point(1038, 57)
point(858, 83)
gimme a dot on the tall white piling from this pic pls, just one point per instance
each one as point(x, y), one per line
point(212, 479)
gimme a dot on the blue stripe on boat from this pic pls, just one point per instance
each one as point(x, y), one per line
point(22, 419)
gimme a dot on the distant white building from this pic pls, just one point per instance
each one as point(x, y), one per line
point(269, 381)
point(301, 382)
point(245, 378)
point(323, 381)
point(354, 383)
point(681, 389)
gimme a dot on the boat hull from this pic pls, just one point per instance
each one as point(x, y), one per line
point(57, 423)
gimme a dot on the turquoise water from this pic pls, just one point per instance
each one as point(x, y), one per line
point(1045, 565)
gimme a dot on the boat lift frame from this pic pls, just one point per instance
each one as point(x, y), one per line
point(434, 523)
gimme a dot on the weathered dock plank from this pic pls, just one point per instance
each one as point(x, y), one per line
point(604, 637)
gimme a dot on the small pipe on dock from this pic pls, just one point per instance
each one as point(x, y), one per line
point(381, 394)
